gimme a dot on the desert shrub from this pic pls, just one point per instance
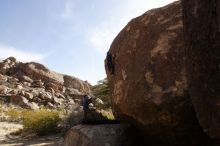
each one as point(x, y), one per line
point(41, 122)
point(14, 115)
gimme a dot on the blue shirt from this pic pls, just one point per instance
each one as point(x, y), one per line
point(85, 103)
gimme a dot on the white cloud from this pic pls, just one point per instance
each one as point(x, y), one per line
point(68, 10)
point(101, 39)
point(20, 55)
point(102, 36)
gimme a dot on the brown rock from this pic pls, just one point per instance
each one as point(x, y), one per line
point(18, 100)
point(36, 92)
point(57, 101)
point(5, 66)
point(72, 82)
point(149, 86)
point(3, 78)
point(14, 91)
point(202, 33)
point(28, 95)
point(50, 105)
point(25, 79)
point(59, 95)
point(21, 92)
point(46, 96)
point(51, 91)
point(38, 71)
point(12, 59)
point(72, 92)
point(12, 80)
point(3, 89)
point(55, 86)
point(71, 102)
point(40, 76)
point(37, 84)
point(19, 87)
point(26, 84)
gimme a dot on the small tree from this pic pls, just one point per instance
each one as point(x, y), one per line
point(102, 91)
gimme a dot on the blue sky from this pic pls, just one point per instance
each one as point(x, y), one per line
point(68, 36)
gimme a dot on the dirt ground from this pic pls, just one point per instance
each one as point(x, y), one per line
point(6, 139)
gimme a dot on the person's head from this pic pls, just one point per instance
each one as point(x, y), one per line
point(85, 96)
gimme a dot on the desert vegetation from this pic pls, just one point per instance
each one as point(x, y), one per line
point(102, 91)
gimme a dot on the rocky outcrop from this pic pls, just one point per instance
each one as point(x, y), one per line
point(37, 74)
point(202, 37)
point(31, 85)
point(7, 64)
point(19, 100)
point(98, 135)
point(149, 87)
point(72, 82)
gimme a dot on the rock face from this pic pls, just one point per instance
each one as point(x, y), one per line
point(31, 85)
point(29, 72)
point(99, 135)
point(149, 86)
point(202, 33)
point(71, 82)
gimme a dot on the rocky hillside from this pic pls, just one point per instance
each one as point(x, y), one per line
point(150, 87)
point(31, 85)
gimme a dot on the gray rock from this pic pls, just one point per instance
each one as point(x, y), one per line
point(98, 135)
point(32, 105)
point(28, 95)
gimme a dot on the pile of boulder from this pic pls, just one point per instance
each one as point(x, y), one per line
point(31, 85)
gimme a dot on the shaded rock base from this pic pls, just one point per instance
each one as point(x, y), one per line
point(102, 135)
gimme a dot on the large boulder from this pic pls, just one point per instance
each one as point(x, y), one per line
point(6, 65)
point(99, 135)
point(72, 82)
point(3, 89)
point(149, 86)
point(3, 78)
point(19, 100)
point(53, 86)
point(202, 33)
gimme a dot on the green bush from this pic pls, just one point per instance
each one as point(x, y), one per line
point(102, 91)
point(41, 122)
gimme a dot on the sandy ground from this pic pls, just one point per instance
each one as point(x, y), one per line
point(9, 140)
